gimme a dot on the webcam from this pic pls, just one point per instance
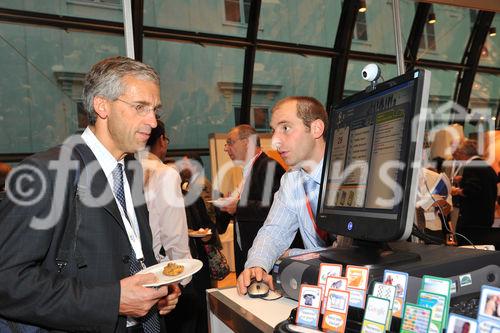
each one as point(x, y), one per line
point(371, 72)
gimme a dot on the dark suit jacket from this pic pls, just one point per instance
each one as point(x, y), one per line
point(255, 201)
point(477, 206)
point(85, 295)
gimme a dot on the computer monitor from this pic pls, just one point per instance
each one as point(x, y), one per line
point(374, 151)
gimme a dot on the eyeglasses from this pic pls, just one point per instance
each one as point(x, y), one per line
point(142, 109)
point(230, 142)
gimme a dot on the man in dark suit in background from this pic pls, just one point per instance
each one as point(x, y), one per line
point(477, 191)
point(252, 200)
point(74, 227)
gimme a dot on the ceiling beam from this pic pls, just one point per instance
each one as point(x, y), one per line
point(246, 91)
point(486, 5)
point(342, 46)
point(471, 57)
point(417, 29)
point(138, 26)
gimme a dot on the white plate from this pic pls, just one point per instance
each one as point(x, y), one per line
point(191, 266)
point(221, 202)
point(198, 233)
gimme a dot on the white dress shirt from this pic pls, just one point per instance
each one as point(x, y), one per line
point(108, 163)
point(167, 215)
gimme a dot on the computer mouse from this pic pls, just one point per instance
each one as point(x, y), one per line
point(258, 289)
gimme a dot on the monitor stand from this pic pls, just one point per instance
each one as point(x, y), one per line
point(371, 254)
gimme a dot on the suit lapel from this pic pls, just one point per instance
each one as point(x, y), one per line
point(133, 172)
point(96, 183)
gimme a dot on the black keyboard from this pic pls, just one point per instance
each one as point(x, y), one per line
point(465, 305)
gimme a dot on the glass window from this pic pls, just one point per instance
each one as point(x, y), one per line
point(360, 30)
point(312, 22)
point(210, 16)
point(486, 93)
point(447, 38)
point(490, 55)
point(407, 10)
point(484, 104)
point(237, 11)
point(200, 88)
point(109, 10)
point(441, 105)
point(278, 75)
point(42, 79)
point(354, 82)
point(376, 25)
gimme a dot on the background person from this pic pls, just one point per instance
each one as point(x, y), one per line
point(477, 188)
point(95, 290)
point(198, 181)
point(162, 187)
point(251, 204)
point(197, 217)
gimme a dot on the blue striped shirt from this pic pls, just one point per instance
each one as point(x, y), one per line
point(287, 215)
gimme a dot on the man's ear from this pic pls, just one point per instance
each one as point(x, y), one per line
point(163, 141)
point(317, 128)
point(101, 107)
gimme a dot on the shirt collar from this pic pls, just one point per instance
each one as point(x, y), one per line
point(248, 165)
point(103, 156)
point(315, 174)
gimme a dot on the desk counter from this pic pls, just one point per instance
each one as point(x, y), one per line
point(230, 312)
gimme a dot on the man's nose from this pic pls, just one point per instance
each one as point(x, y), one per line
point(150, 118)
point(276, 141)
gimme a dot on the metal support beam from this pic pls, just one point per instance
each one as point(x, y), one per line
point(59, 21)
point(342, 46)
point(246, 91)
point(138, 26)
point(128, 26)
point(472, 55)
point(416, 32)
point(398, 38)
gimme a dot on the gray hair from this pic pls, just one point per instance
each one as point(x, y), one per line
point(105, 79)
point(246, 131)
point(468, 147)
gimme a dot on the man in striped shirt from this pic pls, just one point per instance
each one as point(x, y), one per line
point(299, 128)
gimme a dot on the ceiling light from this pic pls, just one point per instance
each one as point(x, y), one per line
point(431, 19)
point(493, 32)
point(362, 6)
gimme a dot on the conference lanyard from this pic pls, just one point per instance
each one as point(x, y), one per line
point(133, 237)
point(321, 233)
point(456, 170)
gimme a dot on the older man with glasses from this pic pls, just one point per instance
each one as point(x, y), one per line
point(70, 254)
point(251, 201)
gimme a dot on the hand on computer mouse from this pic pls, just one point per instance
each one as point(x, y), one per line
point(250, 274)
point(258, 289)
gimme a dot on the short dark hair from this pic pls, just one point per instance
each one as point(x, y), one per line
point(106, 79)
point(156, 133)
point(194, 156)
point(308, 109)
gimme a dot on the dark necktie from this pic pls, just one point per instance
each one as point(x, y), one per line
point(150, 322)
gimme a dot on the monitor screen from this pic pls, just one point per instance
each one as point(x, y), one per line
point(374, 150)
